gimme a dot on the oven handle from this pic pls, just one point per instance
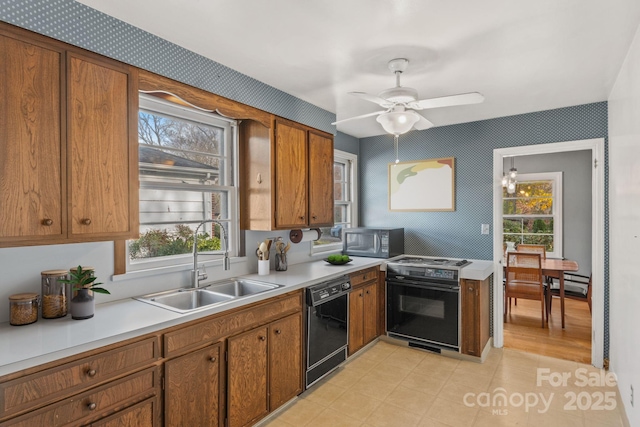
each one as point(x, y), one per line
point(446, 288)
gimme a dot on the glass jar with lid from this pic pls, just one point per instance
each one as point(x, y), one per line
point(23, 308)
point(55, 294)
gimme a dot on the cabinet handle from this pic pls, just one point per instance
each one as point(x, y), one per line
point(360, 294)
point(302, 218)
point(314, 217)
point(212, 359)
point(91, 373)
point(364, 277)
point(47, 221)
point(92, 406)
point(278, 331)
point(470, 289)
point(86, 221)
point(367, 292)
point(262, 338)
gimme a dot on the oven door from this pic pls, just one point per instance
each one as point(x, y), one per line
point(424, 312)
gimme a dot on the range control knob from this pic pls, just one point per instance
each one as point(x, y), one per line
point(346, 286)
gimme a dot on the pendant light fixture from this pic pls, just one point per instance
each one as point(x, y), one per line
point(509, 179)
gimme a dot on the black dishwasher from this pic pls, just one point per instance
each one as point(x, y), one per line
point(327, 326)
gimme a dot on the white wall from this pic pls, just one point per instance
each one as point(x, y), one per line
point(624, 229)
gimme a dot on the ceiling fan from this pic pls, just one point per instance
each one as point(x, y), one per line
point(399, 103)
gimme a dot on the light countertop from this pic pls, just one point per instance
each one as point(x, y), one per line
point(23, 347)
point(477, 270)
point(46, 340)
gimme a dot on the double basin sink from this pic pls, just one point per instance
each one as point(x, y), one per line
point(187, 300)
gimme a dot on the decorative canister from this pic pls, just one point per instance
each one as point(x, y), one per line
point(55, 296)
point(23, 308)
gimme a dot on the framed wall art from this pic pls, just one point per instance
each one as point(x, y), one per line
point(422, 185)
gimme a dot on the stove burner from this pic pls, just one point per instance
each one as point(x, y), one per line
point(430, 261)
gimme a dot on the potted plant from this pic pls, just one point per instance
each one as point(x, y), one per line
point(83, 282)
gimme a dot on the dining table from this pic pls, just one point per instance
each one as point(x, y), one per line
point(553, 267)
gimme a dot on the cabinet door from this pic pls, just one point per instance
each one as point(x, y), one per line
point(31, 177)
point(192, 389)
point(356, 320)
point(470, 317)
point(320, 180)
point(370, 313)
point(247, 377)
point(291, 176)
point(101, 163)
point(285, 360)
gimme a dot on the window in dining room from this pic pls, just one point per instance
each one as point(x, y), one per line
point(533, 214)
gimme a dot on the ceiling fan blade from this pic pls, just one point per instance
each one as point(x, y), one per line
point(422, 123)
point(448, 101)
point(372, 98)
point(359, 117)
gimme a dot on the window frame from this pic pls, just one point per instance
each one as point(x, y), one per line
point(182, 262)
point(558, 201)
point(351, 161)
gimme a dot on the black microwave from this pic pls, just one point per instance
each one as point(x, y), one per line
point(373, 242)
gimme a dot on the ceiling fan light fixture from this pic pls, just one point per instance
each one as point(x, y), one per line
point(398, 122)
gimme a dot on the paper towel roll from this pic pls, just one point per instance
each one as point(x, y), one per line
point(297, 236)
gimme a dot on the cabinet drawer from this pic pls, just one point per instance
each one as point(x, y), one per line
point(143, 414)
point(212, 330)
point(363, 276)
point(56, 383)
point(94, 404)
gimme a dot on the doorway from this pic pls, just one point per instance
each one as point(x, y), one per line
point(596, 146)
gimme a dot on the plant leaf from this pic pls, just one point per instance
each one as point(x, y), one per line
point(101, 291)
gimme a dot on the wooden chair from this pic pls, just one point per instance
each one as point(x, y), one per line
point(524, 280)
point(541, 249)
point(576, 287)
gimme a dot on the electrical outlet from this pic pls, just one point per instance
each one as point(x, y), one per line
point(632, 395)
point(484, 229)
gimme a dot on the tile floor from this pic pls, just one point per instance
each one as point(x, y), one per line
point(390, 385)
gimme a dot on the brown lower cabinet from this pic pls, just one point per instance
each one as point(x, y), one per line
point(96, 404)
point(364, 309)
point(264, 370)
point(475, 316)
point(192, 388)
point(239, 365)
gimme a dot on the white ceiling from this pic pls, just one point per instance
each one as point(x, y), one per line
point(523, 56)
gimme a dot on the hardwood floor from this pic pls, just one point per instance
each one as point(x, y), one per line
point(522, 330)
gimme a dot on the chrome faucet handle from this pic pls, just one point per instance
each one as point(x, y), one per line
point(202, 274)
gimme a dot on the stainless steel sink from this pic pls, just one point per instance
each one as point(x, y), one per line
point(241, 287)
point(188, 300)
point(185, 300)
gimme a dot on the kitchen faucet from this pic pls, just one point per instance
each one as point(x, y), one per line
point(225, 262)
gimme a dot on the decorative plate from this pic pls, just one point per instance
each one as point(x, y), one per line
point(338, 262)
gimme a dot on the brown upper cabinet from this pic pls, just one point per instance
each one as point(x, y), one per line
point(287, 176)
point(68, 143)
